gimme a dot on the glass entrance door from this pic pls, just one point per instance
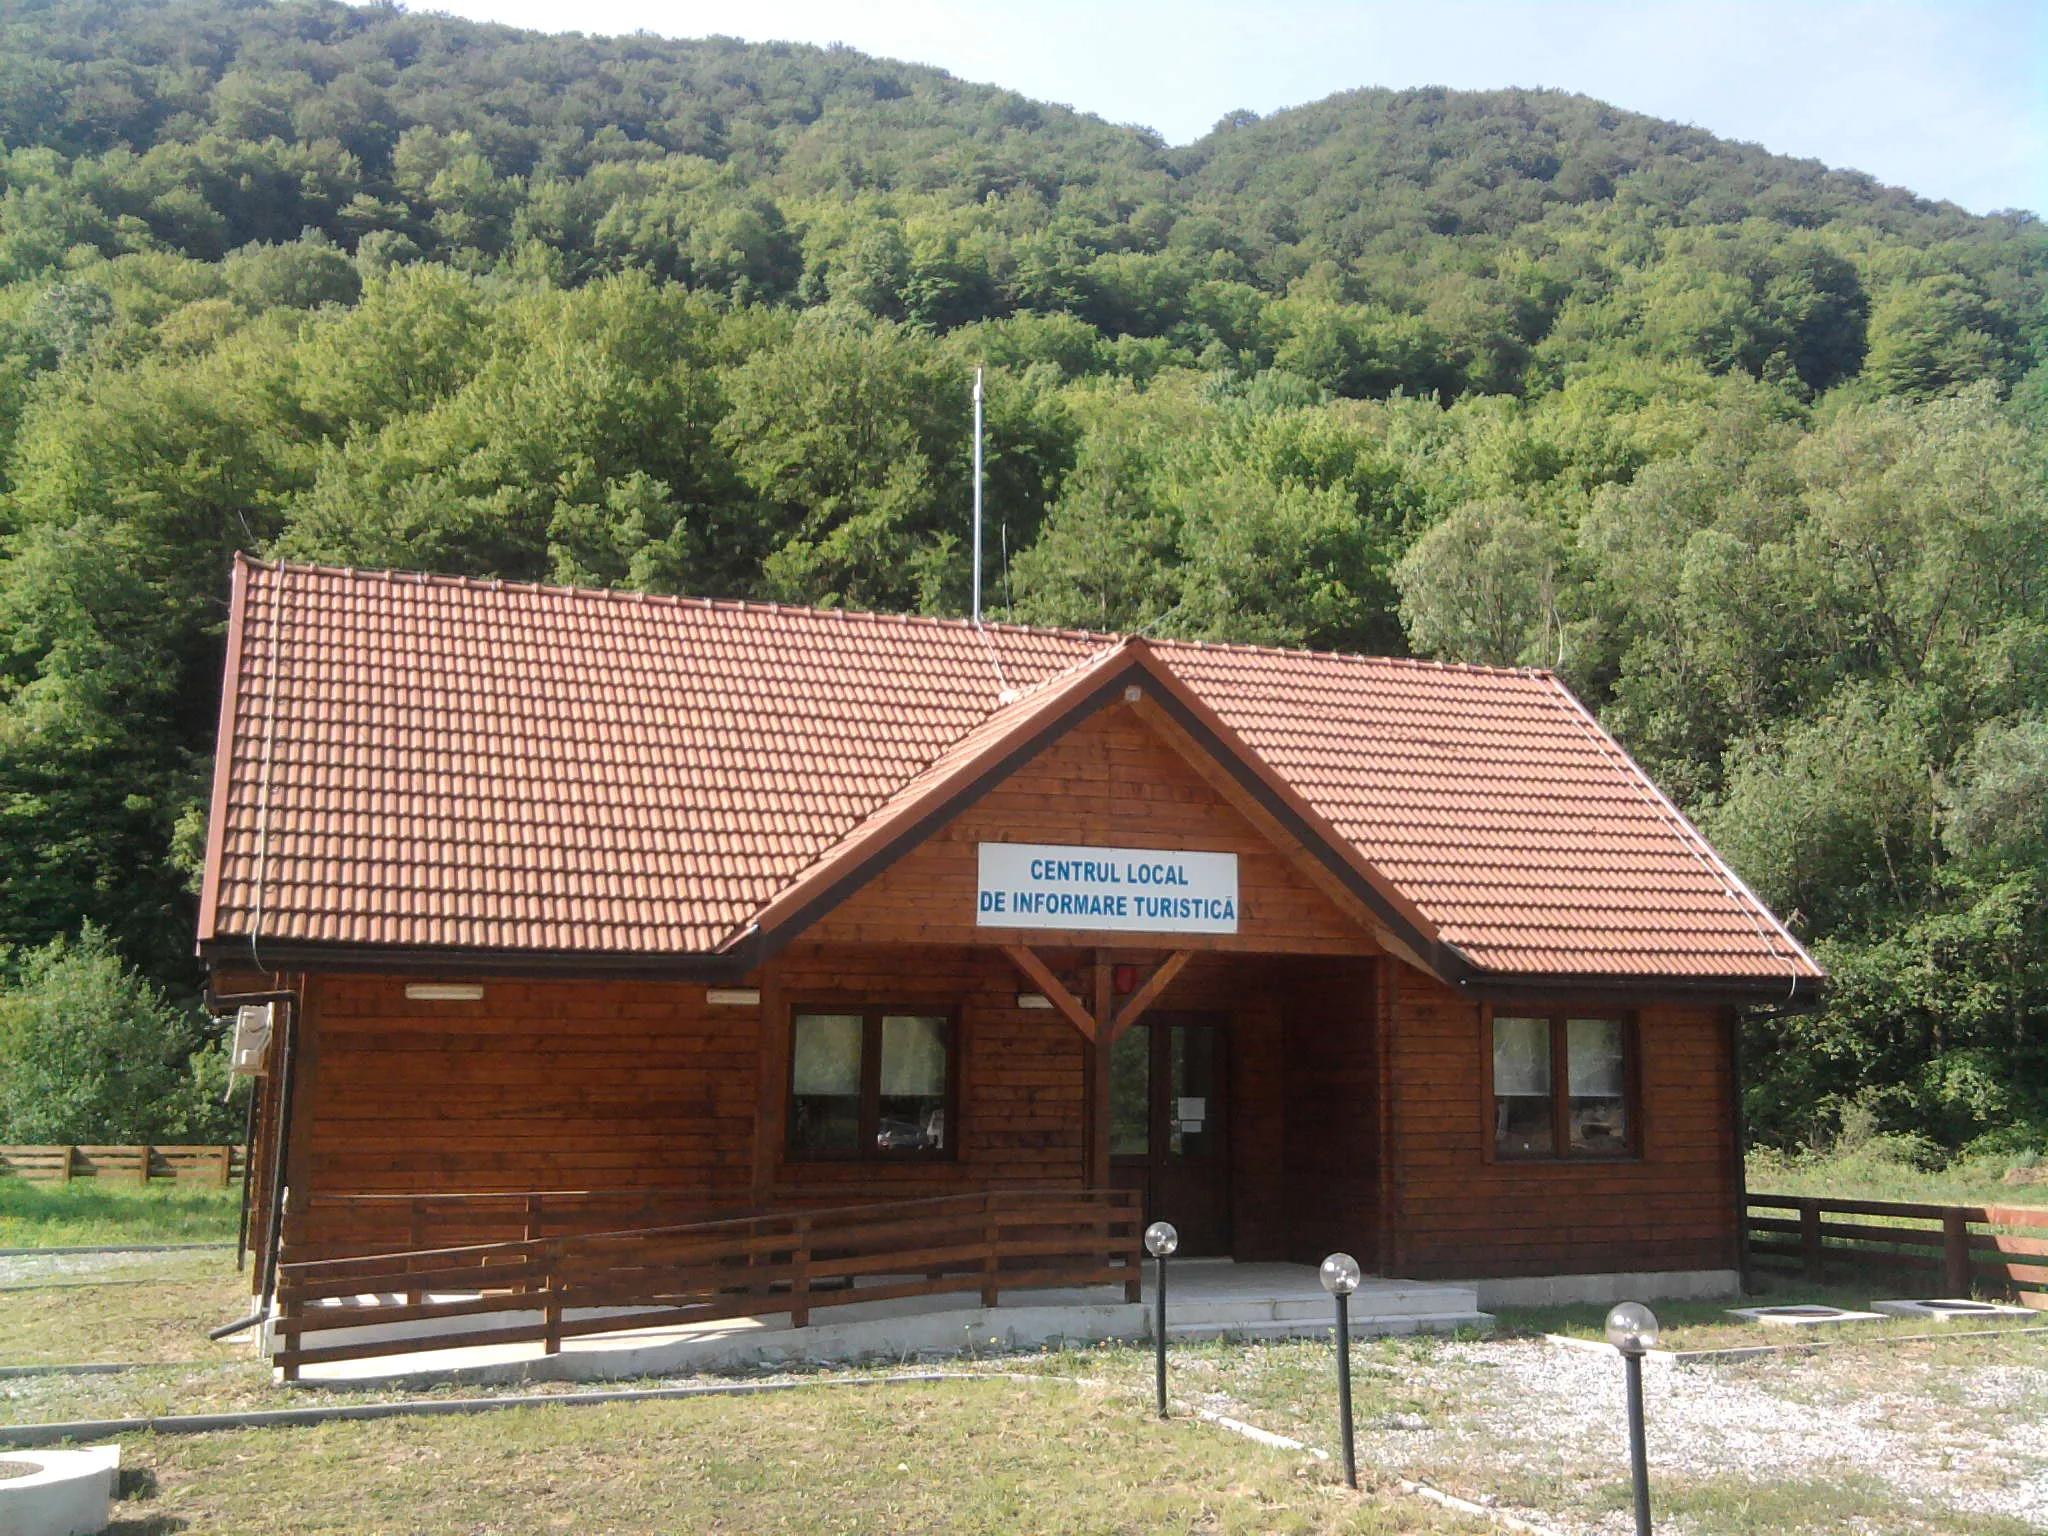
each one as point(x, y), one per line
point(1166, 1124)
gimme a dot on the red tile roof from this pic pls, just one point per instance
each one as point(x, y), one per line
point(426, 762)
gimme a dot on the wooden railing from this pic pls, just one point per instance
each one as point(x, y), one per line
point(552, 1288)
point(1957, 1250)
point(344, 1226)
point(60, 1165)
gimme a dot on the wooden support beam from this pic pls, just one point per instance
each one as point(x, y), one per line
point(1098, 1097)
point(1105, 994)
point(1040, 975)
point(1136, 1004)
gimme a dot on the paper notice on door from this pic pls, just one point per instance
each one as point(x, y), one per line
point(1192, 1113)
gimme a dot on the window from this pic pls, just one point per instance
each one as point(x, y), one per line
point(871, 1083)
point(1561, 1087)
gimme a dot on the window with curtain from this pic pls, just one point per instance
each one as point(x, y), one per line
point(1561, 1086)
point(876, 1083)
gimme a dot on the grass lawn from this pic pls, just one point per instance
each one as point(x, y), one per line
point(94, 1211)
point(77, 1309)
point(1872, 1172)
point(961, 1457)
point(1909, 1439)
point(1878, 1434)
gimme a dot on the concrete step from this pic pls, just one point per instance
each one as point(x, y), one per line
point(1225, 1309)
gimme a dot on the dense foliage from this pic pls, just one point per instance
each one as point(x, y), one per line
point(1751, 450)
point(92, 1054)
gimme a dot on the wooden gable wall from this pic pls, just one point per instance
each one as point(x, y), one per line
point(1111, 781)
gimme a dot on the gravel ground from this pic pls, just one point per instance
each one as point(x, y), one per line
point(28, 1269)
point(1942, 1429)
point(1760, 1419)
point(93, 1268)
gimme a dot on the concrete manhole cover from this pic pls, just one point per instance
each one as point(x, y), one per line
point(1803, 1315)
point(1949, 1309)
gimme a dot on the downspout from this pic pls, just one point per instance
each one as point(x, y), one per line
point(248, 1171)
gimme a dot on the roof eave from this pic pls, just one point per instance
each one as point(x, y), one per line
point(1788, 993)
point(876, 845)
point(274, 955)
point(223, 754)
point(1745, 899)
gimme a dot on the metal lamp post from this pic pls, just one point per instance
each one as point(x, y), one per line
point(1632, 1329)
point(1161, 1238)
point(1340, 1275)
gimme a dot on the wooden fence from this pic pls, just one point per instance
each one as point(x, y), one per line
point(794, 1263)
point(138, 1165)
point(1955, 1250)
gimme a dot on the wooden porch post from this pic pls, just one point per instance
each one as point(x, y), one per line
point(1955, 1233)
point(771, 1089)
point(1098, 1095)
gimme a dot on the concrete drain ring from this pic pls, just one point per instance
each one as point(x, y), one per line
point(66, 1493)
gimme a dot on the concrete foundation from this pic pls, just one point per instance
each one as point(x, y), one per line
point(1605, 1290)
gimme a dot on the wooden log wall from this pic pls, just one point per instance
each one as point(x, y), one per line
point(1021, 1074)
point(539, 1085)
point(1455, 1212)
point(560, 1085)
point(565, 1085)
point(1023, 1077)
point(1330, 1072)
point(616, 1086)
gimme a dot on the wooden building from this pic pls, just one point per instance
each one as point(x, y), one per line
point(672, 910)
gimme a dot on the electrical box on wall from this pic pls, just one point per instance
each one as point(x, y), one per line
point(252, 1039)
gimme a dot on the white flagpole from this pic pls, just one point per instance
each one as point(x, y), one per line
point(977, 495)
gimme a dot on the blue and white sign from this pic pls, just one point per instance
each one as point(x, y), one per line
point(1121, 890)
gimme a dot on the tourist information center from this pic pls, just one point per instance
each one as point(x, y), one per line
point(690, 910)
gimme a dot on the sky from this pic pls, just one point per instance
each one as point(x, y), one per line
point(1946, 97)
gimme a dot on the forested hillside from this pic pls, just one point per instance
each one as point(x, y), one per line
point(1750, 450)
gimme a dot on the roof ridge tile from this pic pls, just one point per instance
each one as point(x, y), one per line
point(765, 606)
point(776, 609)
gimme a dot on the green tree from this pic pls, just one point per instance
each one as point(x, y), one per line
point(302, 275)
point(853, 439)
point(91, 1052)
point(1107, 554)
point(1485, 585)
point(1936, 334)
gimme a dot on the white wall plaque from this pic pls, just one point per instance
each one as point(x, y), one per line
point(1118, 890)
